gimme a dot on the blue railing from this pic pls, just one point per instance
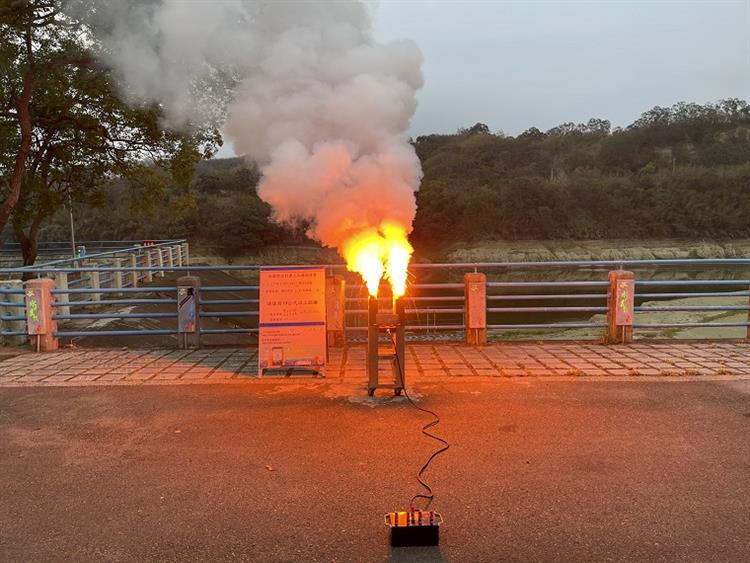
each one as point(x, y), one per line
point(518, 301)
point(54, 252)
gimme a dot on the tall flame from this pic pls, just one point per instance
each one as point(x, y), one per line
point(375, 254)
point(397, 260)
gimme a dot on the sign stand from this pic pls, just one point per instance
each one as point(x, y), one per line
point(292, 327)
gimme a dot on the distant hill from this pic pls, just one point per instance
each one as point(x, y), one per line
point(682, 171)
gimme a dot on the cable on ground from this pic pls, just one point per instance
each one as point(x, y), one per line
point(429, 496)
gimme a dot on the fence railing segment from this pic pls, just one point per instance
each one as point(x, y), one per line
point(130, 284)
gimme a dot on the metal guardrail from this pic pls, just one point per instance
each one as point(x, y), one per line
point(11, 252)
point(85, 282)
point(135, 250)
point(54, 252)
point(434, 305)
point(13, 246)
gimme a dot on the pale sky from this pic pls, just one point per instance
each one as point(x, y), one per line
point(517, 64)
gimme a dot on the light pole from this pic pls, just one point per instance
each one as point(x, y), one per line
point(72, 226)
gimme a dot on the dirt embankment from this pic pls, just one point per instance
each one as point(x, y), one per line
point(532, 251)
point(505, 251)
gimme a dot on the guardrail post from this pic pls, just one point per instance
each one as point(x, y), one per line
point(170, 256)
point(16, 299)
point(160, 260)
point(475, 308)
point(189, 312)
point(61, 282)
point(178, 251)
point(186, 251)
point(148, 274)
point(40, 326)
point(117, 276)
point(620, 303)
point(335, 306)
point(95, 284)
point(133, 273)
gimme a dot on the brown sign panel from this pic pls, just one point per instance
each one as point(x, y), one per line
point(34, 311)
point(476, 300)
point(624, 302)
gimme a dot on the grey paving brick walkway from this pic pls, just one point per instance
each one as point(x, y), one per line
point(424, 362)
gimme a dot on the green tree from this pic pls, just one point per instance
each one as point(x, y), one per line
point(244, 225)
point(65, 128)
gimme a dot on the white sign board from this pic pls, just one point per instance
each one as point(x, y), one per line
point(292, 319)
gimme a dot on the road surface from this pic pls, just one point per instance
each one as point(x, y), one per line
point(538, 470)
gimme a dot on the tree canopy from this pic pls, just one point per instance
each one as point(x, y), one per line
point(65, 129)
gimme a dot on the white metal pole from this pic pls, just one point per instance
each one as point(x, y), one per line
point(72, 227)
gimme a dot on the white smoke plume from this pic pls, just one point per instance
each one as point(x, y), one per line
point(315, 100)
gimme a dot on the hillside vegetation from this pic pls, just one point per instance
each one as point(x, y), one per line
point(679, 172)
point(676, 172)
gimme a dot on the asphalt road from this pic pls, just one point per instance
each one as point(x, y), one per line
point(538, 471)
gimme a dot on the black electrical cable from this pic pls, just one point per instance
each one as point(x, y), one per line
point(430, 495)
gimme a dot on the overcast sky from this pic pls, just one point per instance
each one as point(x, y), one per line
point(513, 65)
point(518, 64)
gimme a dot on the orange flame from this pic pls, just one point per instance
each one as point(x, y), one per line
point(375, 254)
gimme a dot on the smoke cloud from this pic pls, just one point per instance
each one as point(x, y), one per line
point(312, 97)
